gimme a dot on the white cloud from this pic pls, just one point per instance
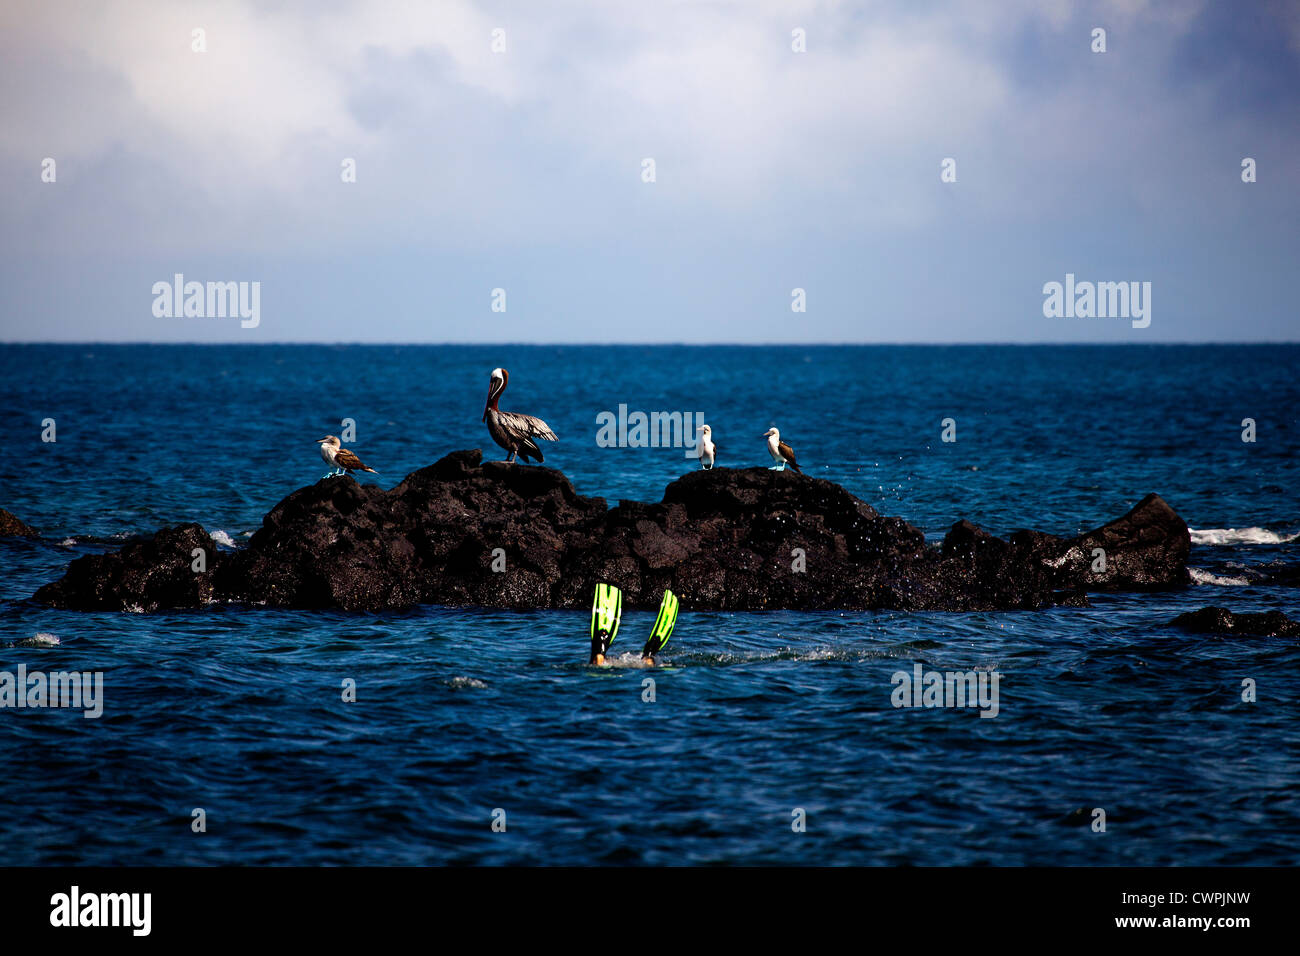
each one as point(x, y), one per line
point(458, 145)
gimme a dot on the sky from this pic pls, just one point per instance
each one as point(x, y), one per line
point(523, 169)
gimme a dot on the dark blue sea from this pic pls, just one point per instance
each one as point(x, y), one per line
point(462, 712)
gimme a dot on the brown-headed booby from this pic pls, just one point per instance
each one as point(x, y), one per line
point(340, 459)
point(781, 453)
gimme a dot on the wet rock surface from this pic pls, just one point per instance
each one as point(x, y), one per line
point(12, 527)
point(465, 532)
point(147, 574)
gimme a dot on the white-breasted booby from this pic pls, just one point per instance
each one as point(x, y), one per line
point(708, 450)
point(513, 431)
point(781, 453)
point(341, 460)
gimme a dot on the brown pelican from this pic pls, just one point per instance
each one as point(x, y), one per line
point(342, 461)
point(708, 450)
point(781, 453)
point(511, 430)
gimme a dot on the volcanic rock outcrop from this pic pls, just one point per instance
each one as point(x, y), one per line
point(12, 527)
point(465, 532)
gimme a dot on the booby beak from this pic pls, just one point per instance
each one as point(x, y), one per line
point(321, 441)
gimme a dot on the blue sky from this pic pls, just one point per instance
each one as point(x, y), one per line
point(775, 170)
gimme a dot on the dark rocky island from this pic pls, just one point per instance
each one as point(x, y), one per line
point(1219, 620)
point(725, 539)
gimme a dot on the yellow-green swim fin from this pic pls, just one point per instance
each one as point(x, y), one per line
point(606, 612)
point(664, 625)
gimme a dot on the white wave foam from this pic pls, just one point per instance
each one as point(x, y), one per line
point(465, 682)
point(221, 538)
point(1240, 536)
point(38, 640)
point(626, 659)
point(1205, 577)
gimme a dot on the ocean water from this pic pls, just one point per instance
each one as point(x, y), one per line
point(463, 712)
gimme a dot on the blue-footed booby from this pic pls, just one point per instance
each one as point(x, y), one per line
point(513, 431)
point(708, 450)
point(341, 461)
point(781, 453)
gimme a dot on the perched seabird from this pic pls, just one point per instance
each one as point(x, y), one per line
point(341, 460)
point(513, 431)
point(781, 453)
point(708, 450)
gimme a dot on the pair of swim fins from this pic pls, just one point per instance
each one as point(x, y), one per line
point(607, 611)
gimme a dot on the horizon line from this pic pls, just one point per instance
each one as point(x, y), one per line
point(607, 344)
